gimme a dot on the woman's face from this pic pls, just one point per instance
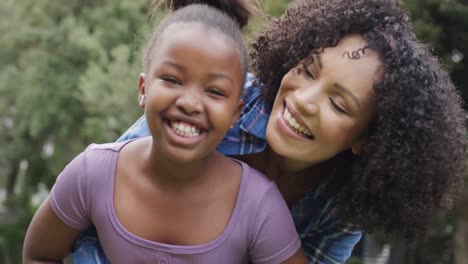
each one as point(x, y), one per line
point(324, 104)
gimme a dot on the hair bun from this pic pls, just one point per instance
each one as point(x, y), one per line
point(239, 10)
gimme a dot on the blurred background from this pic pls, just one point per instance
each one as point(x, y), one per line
point(68, 77)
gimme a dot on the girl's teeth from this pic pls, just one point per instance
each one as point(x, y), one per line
point(293, 123)
point(185, 130)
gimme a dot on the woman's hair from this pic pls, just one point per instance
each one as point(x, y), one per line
point(413, 164)
point(227, 17)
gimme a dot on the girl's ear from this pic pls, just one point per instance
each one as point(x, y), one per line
point(237, 112)
point(358, 147)
point(141, 90)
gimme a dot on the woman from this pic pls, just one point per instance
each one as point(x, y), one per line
point(356, 122)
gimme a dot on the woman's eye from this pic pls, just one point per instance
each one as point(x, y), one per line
point(305, 68)
point(170, 79)
point(216, 92)
point(337, 107)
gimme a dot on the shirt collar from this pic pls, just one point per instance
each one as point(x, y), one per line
point(256, 115)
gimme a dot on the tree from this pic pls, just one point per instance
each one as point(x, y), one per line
point(68, 77)
point(443, 24)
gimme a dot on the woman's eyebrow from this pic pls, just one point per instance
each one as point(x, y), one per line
point(348, 92)
point(318, 61)
point(316, 58)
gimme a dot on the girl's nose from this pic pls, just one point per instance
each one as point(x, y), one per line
point(189, 102)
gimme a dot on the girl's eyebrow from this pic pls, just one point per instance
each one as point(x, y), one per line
point(174, 65)
point(212, 75)
point(221, 76)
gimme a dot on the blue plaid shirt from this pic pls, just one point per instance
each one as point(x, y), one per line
point(325, 238)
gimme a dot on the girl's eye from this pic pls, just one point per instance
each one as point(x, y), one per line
point(216, 92)
point(337, 107)
point(305, 68)
point(170, 79)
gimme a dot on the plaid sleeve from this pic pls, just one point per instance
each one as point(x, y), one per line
point(332, 243)
point(137, 130)
point(87, 249)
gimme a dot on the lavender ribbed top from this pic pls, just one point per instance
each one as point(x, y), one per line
point(260, 229)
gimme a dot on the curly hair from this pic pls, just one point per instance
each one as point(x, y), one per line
point(413, 164)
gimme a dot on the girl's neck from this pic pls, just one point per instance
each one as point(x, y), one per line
point(168, 173)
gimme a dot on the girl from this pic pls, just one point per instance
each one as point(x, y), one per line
point(171, 198)
point(356, 122)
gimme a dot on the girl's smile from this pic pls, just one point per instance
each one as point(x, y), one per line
point(192, 91)
point(184, 133)
point(184, 129)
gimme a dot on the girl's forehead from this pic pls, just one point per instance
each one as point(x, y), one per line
point(194, 35)
point(192, 29)
point(196, 51)
point(190, 32)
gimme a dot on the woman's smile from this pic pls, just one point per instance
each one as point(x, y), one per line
point(313, 121)
point(295, 123)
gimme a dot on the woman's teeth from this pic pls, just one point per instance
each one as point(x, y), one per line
point(292, 122)
point(185, 130)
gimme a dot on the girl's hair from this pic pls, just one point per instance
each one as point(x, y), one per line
point(226, 16)
point(414, 161)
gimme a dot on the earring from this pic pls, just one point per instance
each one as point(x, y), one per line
point(141, 99)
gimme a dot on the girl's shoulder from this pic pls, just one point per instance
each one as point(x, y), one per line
point(255, 186)
point(98, 162)
point(103, 147)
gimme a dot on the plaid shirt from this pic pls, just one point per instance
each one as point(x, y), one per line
point(325, 238)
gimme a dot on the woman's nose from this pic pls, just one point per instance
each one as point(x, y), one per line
point(307, 99)
point(189, 102)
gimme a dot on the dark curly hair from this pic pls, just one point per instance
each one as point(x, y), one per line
point(413, 164)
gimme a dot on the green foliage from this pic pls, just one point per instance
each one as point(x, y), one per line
point(270, 8)
point(68, 77)
point(354, 260)
point(443, 24)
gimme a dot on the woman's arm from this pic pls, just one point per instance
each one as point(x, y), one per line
point(48, 239)
point(330, 242)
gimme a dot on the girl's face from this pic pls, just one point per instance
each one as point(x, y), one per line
point(192, 91)
point(324, 104)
